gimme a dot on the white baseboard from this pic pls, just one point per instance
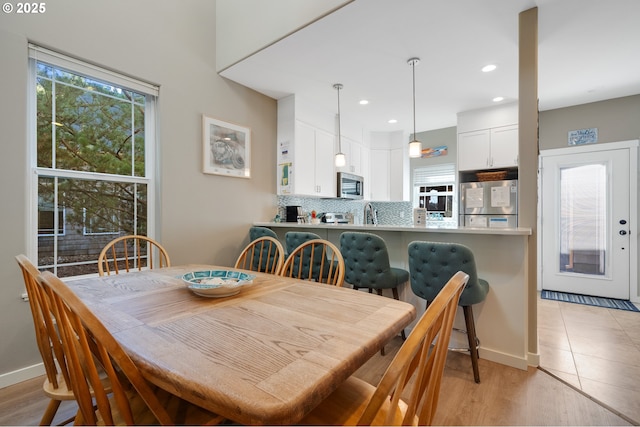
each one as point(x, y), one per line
point(15, 377)
point(534, 359)
point(504, 359)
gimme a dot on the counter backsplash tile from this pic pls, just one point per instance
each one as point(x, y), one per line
point(389, 213)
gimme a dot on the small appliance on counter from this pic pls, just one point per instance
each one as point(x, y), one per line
point(489, 204)
point(337, 218)
point(294, 213)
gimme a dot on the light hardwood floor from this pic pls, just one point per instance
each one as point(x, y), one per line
point(506, 396)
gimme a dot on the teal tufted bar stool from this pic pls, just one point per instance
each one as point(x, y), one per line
point(255, 232)
point(431, 265)
point(293, 239)
point(366, 262)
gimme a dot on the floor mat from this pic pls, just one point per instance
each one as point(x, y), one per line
point(589, 300)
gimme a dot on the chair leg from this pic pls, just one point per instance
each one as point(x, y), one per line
point(397, 297)
point(471, 335)
point(50, 412)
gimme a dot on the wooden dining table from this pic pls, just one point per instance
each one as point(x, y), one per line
point(267, 355)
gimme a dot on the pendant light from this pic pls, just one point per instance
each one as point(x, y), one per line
point(341, 159)
point(415, 146)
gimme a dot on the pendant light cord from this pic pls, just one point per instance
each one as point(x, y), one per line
point(338, 86)
point(413, 62)
point(413, 67)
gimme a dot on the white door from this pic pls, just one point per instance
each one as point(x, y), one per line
point(585, 207)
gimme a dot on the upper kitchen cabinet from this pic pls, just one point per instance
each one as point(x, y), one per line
point(389, 178)
point(305, 151)
point(307, 144)
point(488, 148)
point(488, 138)
point(305, 165)
point(353, 153)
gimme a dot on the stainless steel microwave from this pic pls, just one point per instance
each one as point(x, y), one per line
point(350, 186)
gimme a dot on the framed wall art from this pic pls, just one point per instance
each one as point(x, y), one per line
point(226, 148)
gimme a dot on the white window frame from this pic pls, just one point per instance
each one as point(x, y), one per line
point(40, 54)
point(437, 175)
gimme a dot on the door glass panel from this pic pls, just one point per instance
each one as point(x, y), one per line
point(583, 220)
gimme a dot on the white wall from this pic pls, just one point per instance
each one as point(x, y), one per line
point(202, 218)
point(255, 24)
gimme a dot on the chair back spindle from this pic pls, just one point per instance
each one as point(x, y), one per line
point(316, 260)
point(264, 254)
point(133, 252)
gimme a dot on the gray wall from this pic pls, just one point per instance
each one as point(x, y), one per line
point(616, 119)
point(436, 138)
point(202, 218)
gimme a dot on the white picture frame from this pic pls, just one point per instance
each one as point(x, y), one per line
point(226, 148)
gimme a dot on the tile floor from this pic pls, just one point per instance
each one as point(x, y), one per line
point(594, 349)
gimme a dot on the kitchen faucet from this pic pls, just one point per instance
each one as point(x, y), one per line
point(369, 213)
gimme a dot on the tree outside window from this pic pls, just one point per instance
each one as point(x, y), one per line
point(91, 163)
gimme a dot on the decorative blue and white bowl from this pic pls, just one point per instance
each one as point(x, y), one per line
point(216, 283)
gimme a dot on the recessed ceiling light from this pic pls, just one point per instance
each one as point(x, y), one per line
point(363, 102)
point(498, 99)
point(488, 68)
point(393, 121)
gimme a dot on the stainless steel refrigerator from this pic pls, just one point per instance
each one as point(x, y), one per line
point(489, 204)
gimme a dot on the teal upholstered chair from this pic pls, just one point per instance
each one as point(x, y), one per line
point(431, 265)
point(268, 251)
point(293, 239)
point(366, 261)
point(256, 232)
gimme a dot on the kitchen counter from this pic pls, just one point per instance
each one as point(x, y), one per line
point(502, 259)
point(430, 228)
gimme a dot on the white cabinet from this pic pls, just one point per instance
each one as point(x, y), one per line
point(325, 176)
point(397, 177)
point(353, 153)
point(386, 177)
point(311, 172)
point(389, 162)
point(488, 148)
point(379, 182)
point(504, 146)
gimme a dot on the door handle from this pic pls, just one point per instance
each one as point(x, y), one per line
point(623, 232)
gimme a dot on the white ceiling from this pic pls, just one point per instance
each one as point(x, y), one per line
point(589, 50)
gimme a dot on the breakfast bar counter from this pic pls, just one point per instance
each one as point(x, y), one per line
point(502, 259)
point(370, 228)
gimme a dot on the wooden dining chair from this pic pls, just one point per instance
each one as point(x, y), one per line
point(57, 383)
point(408, 392)
point(317, 260)
point(90, 349)
point(132, 252)
point(264, 254)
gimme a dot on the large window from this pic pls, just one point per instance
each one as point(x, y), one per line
point(92, 157)
point(434, 188)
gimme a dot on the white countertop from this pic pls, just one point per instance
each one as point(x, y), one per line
point(520, 231)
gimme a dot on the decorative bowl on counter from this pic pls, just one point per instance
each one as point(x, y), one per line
point(216, 283)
